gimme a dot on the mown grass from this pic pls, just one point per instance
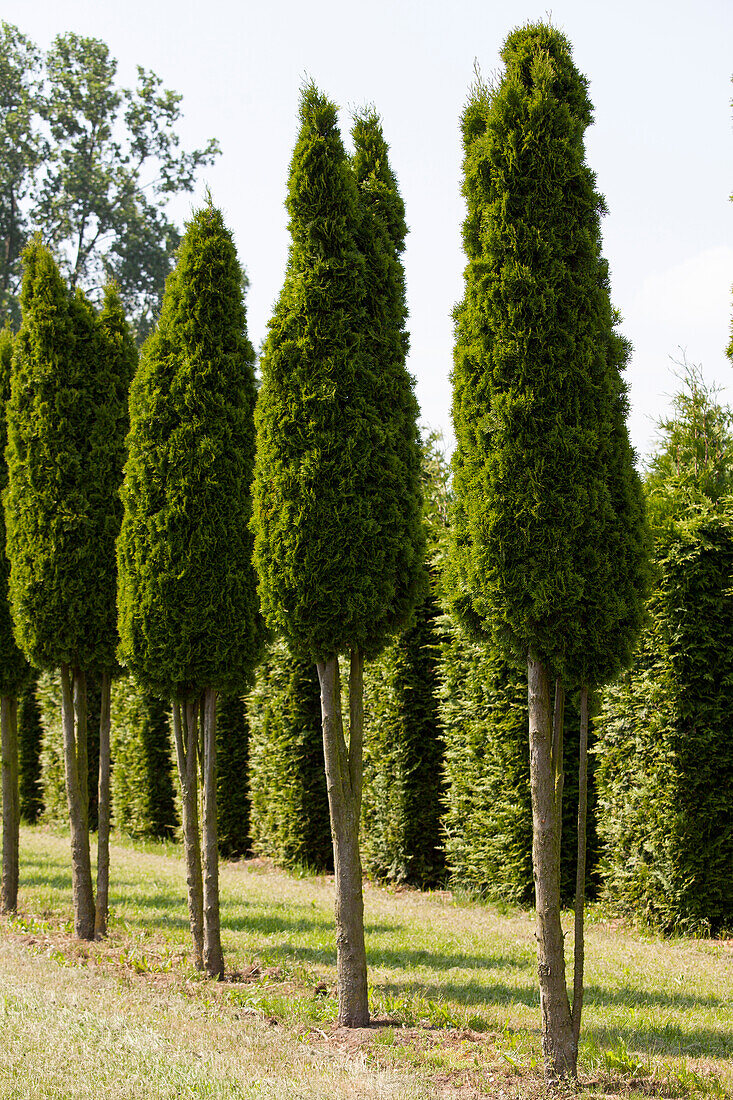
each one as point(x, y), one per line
point(452, 985)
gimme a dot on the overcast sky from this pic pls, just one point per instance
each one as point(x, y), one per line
point(662, 144)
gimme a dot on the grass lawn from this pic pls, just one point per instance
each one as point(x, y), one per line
point(452, 987)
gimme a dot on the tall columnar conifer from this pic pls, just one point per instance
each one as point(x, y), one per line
point(66, 424)
point(338, 537)
point(14, 673)
point(549, 535)
point(189, 623)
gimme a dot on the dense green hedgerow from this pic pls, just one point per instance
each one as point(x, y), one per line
point(30, 742)
point(143, 802)
point(232, 757)
point(403, 757)
point(487, 820)
point(665, 753)
point(289, 803)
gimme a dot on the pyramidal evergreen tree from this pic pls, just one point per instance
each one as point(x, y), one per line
point(337, 511)
point(66, 427)
point(30, 741)
point(15, 674)
point(549, 539)
point(188, 615)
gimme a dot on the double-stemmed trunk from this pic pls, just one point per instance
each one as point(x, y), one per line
point(213, 955)
point(187, 757)
point(11, 804)
point(579, 953)
point(344, 768)
point(103, 808)
point(558, 1042)
point(74, 721)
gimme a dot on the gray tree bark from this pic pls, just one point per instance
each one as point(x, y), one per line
point(11, 804)
point(344, 769)
point(187, 757)
point(73, 714)
point(579, 951)
point(213, 955)
point(102, 906)
point(558, 1044)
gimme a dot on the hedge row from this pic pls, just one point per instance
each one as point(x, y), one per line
point(665, 754)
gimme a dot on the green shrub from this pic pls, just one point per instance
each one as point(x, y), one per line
point(232, 755)
point(287, 783)
point(665, 754)
point(30, 739)
point(403, 752)
point(488, 809)
point(142, 782)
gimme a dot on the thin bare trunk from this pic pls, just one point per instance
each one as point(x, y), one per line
point(73, 713)
point(213, 955)
point(343, 780)
point(11, 804)
point(558, 1046)
point(186, 754)
point(579, 956)
point(100, 921)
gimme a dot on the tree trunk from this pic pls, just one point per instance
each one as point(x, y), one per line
point(186, 754)
point(558, 730)
point(558, 1045)
point(579, 954)
point(11, 804)
point(73, 714)
point(213, 956)
point(343, 780)
point(103, 809)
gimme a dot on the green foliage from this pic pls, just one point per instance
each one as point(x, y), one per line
point(548, 536)
point(693, 463)
point(22, 150)
point(30, 740)
point(67, 419)
point(142, 781)
point(665, 757)
point(289, 803)
point(488, 810)
point(188, 613)
point(53, 781)
point(232, 757)
point(93, 165)
point(14, 669)
point(338, 542)
point(403, 757)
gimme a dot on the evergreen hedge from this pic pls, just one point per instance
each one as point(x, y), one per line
point(487, 820)
point(665, 754)
point(289, 803)
point(403, 757)
point(232, 756)
point(143, 802)
point(30, 742)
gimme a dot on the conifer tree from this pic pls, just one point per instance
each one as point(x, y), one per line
point(232, 754)
point(188, 616)
point(66, 427)
point(338, 536)
point(14, 673)
point(549, 536)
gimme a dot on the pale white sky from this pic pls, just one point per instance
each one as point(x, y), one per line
point(662, 144)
